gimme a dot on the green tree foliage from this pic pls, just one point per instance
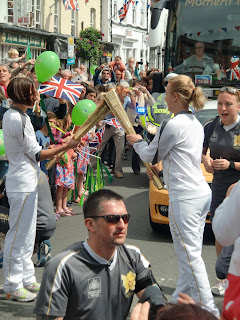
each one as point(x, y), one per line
point(88, 45)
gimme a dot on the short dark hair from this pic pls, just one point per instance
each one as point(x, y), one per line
point(22, 91)
point(182, 312)
point(90, 90)
point(92, 206)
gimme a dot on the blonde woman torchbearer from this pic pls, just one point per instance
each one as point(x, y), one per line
point(178, 144)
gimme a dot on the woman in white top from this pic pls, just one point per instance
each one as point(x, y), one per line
point(178, 143)
point(23, 153)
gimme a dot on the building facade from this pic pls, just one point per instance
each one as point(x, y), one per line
point(130, 36)
point(45, 25)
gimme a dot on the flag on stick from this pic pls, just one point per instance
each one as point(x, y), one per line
point(29, 54)
point(123, 11)
point(61, 88)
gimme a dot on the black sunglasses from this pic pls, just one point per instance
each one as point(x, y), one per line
point(114, 218)
point(165, 83)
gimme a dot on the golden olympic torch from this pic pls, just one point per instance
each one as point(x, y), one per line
point(114, 105)
point(117, 109)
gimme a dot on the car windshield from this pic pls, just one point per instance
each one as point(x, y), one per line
point(203, 39)
point(205, 115)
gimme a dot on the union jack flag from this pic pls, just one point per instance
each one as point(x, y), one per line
point(70, 4)
point(95, 143)
point(61, 88)
point(113, 122)
point(122, 12)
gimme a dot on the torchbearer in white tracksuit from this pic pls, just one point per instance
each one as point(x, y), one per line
point(23, 153)
point(178, 143)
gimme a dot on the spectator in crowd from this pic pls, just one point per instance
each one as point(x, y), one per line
point(91, 94)
point(13, 56)
point(107, 75)
point(142, 74)
point(117, 64)
point(130, 66)
point(118, 75)
point(97, 278)
point(5, 76)
point(178, 144)
point(66, 74)
point(14, 65)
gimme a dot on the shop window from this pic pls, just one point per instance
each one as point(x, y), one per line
point(93, 18)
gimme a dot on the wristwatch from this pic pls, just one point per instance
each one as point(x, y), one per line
point(231, 165)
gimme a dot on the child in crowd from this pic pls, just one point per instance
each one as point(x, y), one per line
point(118, 65)
point(43, 139)
point(82, 163)
point(13, 56)
point(91, 94)
point(64, 170)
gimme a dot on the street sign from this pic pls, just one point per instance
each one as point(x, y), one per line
point(70, 47)
point(70, 61)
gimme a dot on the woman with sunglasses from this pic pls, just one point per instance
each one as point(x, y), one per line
point(178, 143)
point(222, 137)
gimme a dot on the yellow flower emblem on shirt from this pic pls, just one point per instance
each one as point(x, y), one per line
point(129, 281)
point(236, 140)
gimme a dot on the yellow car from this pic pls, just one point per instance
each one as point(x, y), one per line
point(158, 203)
point(158, 199)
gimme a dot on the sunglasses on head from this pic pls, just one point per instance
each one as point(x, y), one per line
point(114, 218)
point(230, 90)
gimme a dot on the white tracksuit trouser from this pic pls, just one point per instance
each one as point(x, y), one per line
point(18, 267)
point(187, 221)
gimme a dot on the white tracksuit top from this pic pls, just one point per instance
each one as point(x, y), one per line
point(179, 145)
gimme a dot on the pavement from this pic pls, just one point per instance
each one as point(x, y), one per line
point(157, 247)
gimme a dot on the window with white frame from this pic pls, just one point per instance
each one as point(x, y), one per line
point(10, 11)
point(35, 14)
point(25, 13)
point(73, 23)
point(142, 22)
point(115, 12)
point(93, 17)
point(56, 15)
point(133, 16)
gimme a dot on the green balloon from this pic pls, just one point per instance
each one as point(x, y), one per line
point(82, 111)
point(92, 69)
point(47, 65)
point(2, 147)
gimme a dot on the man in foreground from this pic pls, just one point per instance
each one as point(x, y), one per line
point(97, 278)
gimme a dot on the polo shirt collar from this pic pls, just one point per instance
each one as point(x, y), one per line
point(98, 258)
